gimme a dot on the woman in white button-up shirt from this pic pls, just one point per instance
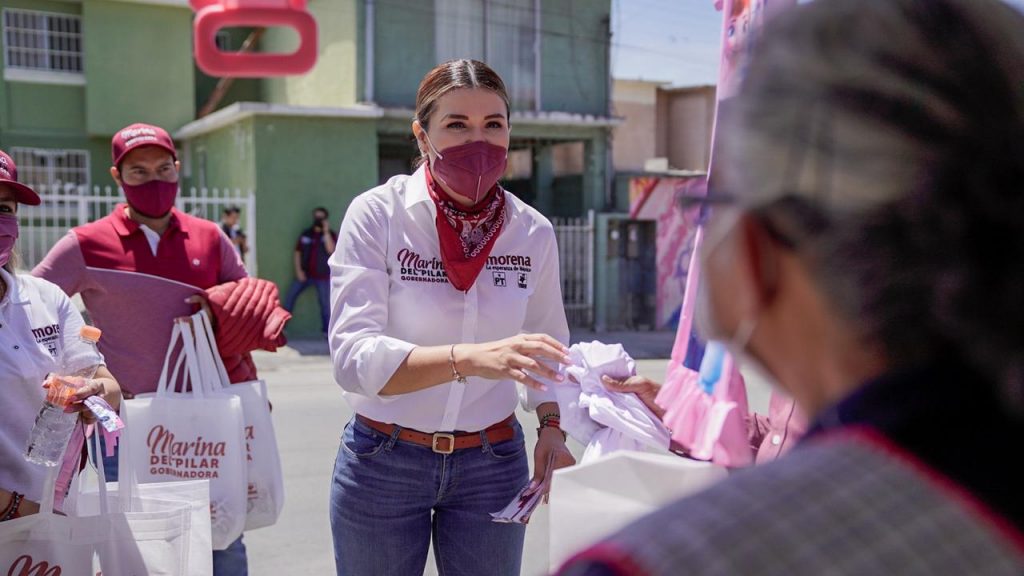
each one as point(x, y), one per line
point(38, 325)
point(445, 298)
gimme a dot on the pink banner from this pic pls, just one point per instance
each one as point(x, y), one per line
point(740, 21)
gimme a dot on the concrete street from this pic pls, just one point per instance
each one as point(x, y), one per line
point(309, 415)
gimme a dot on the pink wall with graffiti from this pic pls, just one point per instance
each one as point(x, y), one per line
point(657, 198)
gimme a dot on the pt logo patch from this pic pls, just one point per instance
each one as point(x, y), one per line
point(523, 280)
point(499, 279)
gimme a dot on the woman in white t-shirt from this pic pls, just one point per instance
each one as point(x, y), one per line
point(445, 295)
point(38, 325)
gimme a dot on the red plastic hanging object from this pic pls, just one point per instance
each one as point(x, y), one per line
point(213, 15)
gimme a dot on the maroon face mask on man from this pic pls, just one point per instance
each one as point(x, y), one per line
point(470, 169)
point(153, 199)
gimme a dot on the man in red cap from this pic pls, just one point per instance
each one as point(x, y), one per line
point(142, 266)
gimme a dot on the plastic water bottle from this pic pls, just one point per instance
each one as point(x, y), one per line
point(53, 426)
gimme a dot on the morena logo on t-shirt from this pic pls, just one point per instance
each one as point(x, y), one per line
point(48, 336)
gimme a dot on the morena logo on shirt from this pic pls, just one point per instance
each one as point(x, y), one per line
point(515, 265)
point(509, 263)
point(415, 268)
point(48, 336)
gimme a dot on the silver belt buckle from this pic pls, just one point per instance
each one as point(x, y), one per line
point(443, 435)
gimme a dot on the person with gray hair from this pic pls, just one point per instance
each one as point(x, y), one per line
point(865, 251)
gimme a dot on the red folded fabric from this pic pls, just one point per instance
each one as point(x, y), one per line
point(247, 316)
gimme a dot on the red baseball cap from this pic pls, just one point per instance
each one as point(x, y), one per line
point(138, 135)
point(9, 177)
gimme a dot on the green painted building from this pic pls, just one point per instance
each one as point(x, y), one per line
point(75, 71)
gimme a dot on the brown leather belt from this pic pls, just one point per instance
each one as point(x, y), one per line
point(444, 442)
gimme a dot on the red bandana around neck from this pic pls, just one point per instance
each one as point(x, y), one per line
point(466, 235)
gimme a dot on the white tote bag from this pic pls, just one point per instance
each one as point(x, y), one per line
point(191, 435)
point(46, 543)
point(110, 539)
point(192, 495)
point(136, 535)
point(266, 482)
point(593, 500)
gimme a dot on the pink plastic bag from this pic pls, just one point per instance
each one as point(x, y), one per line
point(213, 15)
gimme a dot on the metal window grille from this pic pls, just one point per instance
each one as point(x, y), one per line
point(42, 41)
point(52, 168)
point(64, 207)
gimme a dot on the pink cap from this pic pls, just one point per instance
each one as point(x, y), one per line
point(138, 135)
point(9, 176)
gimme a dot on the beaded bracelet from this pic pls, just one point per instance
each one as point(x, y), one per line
point(552, 421)
point(12, 508)
point(556, 418)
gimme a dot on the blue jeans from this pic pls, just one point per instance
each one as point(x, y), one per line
point(231, 561)
point(323, 293)
point(390, 498)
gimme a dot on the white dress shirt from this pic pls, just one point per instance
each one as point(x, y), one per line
point(39, 326)
point(389, 294)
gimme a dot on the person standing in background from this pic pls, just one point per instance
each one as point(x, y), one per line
point(314, 246)
point(229, 224)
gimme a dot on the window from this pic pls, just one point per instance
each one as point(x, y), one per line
point(503, 33)
point(42, 42)
point(40, 167)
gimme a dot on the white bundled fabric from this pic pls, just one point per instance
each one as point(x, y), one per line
point(265, 478)
point(193, 435)
point(603, 420)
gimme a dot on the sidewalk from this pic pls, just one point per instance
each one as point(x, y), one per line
point(639, 345)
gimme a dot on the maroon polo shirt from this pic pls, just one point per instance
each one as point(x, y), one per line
point(134, 296)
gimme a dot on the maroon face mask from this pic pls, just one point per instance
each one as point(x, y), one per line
point(153, 199)
point(471, 169)
point(8, 236)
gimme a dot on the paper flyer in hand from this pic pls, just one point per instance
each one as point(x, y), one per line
point(522, 506)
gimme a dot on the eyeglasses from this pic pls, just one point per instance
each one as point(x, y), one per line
point(791, 220)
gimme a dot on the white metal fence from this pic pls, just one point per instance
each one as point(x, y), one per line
point(65, 207)
point(576, 255)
